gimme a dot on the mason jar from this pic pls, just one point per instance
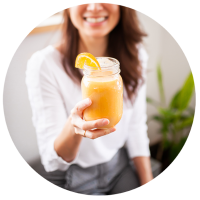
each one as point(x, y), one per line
point(105, 89)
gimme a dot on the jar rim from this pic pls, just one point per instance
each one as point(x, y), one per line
point(114, 60)
point(115, 73)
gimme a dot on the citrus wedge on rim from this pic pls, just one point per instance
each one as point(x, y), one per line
point(88, 59)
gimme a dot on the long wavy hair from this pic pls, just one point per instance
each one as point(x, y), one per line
point(122, 44)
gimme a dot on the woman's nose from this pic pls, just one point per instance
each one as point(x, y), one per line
point(94, 7)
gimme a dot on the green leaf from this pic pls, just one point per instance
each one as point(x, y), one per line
point(166, 144)
point(165, 120)
point(169, 118)
point(164, 112)
point(176, 148)
point(160, 84)
point(151, 101)
point(157, 118)
point(168, 114)
point(175, 100)
point(185, 123)
point(184, 117)
point(190, 110)
point(186, 93)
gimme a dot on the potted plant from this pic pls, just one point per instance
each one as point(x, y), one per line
point(175, 119)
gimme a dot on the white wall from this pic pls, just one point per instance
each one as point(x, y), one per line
point(160, 46)
point(16, 105)
point(153, 44)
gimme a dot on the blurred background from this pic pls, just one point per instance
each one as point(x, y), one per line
point(163, 82)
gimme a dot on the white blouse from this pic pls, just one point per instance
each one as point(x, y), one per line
point(52, 95)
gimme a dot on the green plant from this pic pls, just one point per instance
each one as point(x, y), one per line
point(176, 118)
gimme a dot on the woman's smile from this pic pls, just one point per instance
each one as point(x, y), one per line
point(95, 20)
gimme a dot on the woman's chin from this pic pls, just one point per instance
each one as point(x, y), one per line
point(97, 34)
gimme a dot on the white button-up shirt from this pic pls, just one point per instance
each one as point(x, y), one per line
point(52, 95)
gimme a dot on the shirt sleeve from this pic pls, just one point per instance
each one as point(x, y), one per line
point(48, 110)
point(137, 143)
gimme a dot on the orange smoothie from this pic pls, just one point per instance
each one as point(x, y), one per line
point(106, 92)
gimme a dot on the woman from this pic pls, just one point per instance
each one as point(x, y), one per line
point(66, 142)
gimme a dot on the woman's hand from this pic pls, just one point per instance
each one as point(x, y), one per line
point(84, 128)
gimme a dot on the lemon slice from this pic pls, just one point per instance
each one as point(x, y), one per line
point(88, 59)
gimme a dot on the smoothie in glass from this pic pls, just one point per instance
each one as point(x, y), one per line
point(105, 88)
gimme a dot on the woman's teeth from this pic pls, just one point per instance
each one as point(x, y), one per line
point(95, 20)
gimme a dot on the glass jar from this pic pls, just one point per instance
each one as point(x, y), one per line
point(105, 88)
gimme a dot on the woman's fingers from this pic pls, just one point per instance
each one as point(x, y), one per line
point(85, 127)
point(88, 125)
point(79, 131)
point(77, 120)
point(81, 106)
point(93, 134)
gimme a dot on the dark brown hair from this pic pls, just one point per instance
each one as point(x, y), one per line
point(122, 45)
